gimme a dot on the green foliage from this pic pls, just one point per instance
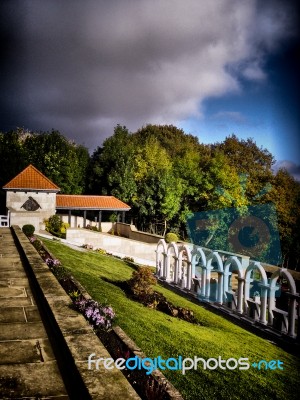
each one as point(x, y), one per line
point(64, 227)
point(128, 259)
point(158, 334)
point(54, 223)
point(285, 194)
point(61, 273)
point(141, 282)
point(113, 217)
point(171, 237)
point(111, 166)
point(62, 161)
point(164, 174)
point(37, 244)
point(75, 295)
point(101, 251)
point(28, 229)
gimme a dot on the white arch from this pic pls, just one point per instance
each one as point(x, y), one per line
point(185, 283)
point(197, 252)
point(161, 252)
point(233, 261)
point(263, 285)
point(162, 243)
point(292, 301)
point(214, 256)
point(171, 247)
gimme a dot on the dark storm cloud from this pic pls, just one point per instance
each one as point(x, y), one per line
point(84, 66)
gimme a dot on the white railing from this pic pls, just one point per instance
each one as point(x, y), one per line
point(4, 221)
point(232, 281)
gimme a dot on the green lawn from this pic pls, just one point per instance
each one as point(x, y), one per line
point(160, 335)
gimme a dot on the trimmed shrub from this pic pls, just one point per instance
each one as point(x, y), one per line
point(54, 223)
point(38, 245)
point(171, 237)
point(141, 282)
point(64, 227)
point(28, 229)
point(56, 227)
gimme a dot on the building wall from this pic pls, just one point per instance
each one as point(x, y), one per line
point(78, 222)
point(19, 216)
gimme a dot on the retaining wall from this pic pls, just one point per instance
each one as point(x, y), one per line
point(143, 253)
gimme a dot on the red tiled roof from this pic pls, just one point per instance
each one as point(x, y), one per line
point(68, 201)
point(32, 179)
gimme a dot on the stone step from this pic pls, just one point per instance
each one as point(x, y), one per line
point(32, 380)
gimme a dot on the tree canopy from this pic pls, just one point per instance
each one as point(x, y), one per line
point(164, 174)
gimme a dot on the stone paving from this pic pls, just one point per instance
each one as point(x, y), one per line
point(28, 368)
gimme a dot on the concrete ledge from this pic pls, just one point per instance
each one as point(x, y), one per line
point(74, 338)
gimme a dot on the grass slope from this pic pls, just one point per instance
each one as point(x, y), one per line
point(160, 335)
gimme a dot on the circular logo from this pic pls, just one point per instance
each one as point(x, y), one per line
point(249, 236)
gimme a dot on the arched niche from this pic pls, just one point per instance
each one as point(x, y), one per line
point(185, 267)
point(198, 268)
point(256, 292)
point(280, 317)
point(232, 295)
point(161, 253)
point(171, 264)
point(213, 287)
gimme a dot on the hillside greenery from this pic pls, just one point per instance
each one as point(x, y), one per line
point(158, 334)
point(165, 175)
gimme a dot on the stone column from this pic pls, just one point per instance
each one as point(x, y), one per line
point(176, 272)
point(271, 302)
point(169, 269)
point(263, 303)
point(226, 276)
point(240, 296)
point(247, 282)
point(69, 218)
point(84, 218)
point(292, 315)
point(166, 266)
point(220, 287)
point(189, 275)
point(203, 281)
point(207, 283)
point(100, 220)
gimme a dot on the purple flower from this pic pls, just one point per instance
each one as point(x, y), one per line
point(100, 320)
point(89, 312)
point(97, 314)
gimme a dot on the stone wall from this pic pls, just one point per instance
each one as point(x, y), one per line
point(141, 252)
point(131, 232)
point(15, 201)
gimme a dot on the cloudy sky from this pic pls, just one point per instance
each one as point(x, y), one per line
point(210, 67)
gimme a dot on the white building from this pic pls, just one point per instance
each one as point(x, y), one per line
point(31, 198)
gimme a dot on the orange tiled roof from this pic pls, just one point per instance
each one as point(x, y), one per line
point(70, 201)
point(32, 179)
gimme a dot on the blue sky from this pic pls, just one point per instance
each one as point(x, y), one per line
point(267, 110)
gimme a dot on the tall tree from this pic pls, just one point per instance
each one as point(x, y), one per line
point(111, 166)
point(247, 158)
point(157, 199)
point(285, 194)
point(61, 160)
